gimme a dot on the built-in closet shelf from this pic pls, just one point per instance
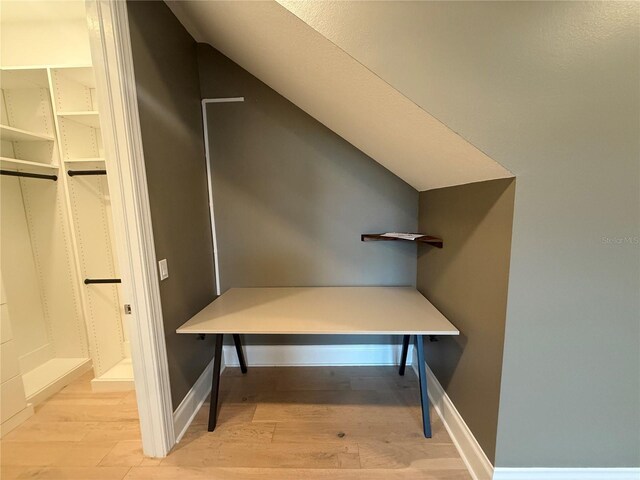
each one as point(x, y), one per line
point(91, 119)
point(80, 74)
point(117, 378)
point(7, 163)
point(50, 377)
point(44, 66)
point(84, 160)
point(428, 239)
point(13, 134)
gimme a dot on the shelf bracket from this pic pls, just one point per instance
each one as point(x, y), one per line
point(428, 239)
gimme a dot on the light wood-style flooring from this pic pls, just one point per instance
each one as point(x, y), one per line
point(330, 423)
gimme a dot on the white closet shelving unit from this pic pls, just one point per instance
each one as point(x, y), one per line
point(43, 298)
point(56, 234)
point(26, 126)
point(78, 124)
point(56, 229)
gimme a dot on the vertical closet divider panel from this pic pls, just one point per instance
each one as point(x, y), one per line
point(126, 346)
point(73, 93)
point(62, 179)
point(6, 147)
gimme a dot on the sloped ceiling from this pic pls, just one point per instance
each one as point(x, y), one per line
point(302, 65)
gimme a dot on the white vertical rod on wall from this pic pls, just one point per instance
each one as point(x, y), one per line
point(205, 126)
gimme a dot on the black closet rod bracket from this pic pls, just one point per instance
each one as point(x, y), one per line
point(78, 173)
point(89, 281)
point(41, 176)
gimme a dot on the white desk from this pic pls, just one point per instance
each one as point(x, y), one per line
point(321, 310)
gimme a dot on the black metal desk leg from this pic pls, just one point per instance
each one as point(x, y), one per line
point(424, 397)
point(243, 365)
point(215, 383)
point(403, 356)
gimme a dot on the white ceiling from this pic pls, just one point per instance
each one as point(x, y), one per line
point(302, 65)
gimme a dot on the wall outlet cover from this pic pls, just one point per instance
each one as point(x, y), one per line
point(164, 269)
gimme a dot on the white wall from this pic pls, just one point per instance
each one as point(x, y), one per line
point(45, 43)
point(33, 344)
point(550, 91)
point(43, 32)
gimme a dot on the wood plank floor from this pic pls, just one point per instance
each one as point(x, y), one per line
point(331, 423)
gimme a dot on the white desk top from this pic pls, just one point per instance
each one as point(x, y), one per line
point(321, 310)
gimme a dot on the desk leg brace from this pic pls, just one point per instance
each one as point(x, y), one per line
point(215, 383)
point(422, 376)
point(243, 365)
point(403, 355)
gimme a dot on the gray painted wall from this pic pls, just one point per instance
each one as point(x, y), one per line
point(467, 281)
point(549, 90)
point(166, 71)
point(292, 198)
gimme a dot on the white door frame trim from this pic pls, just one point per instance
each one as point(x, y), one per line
point(116, 89)
point(207, 153)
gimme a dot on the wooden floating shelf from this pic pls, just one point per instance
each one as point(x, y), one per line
point(25, 165)
point(90, 119)
point(13, 134)
point(428, 239)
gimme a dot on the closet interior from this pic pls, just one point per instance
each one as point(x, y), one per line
point(61, 312)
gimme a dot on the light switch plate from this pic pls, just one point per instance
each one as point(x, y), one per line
point(164, 269)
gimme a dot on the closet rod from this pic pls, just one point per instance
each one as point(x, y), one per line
point(29, 175)
point(89, 281)
point(77, 173)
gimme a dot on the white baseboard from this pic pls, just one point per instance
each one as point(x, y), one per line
point(318, 355)
point(566, 473)
point(468, 447)
point(193, 400)
point(15, 421)
point(99, 385)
